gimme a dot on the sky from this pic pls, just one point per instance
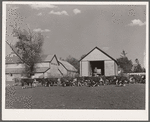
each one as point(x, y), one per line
point(76, 29)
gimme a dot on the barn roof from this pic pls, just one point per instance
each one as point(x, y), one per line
point(67, 66)
point(20, 70)
point(48, 58)
point(14, 59)
point(100, 51)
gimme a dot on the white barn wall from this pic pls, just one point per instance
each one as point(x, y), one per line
point(72, 74)
point(37, 75)
point(54, 61)
point(80, 68)
point(67, 73)
point(43, 64)
point(53, 72)
point(85, 68)
point(116, 68)
point(96, 55)
point(109, 68)
point(63, 70)
point(14, 65)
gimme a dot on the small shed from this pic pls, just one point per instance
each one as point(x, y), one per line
point(98, 62)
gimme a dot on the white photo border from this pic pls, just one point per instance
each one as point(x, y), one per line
point(72, 114)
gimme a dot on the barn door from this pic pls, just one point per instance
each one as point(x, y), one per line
point(85, 68)
point(109, 68)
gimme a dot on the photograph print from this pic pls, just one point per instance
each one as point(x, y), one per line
point(75, 56)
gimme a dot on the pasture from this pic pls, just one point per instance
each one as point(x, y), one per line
point(131, 96)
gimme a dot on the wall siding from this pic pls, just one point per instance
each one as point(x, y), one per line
point(109, 68)
point(85, 68)
point(11, 78)
point(14, 65)
point(116, 69)
point(96, 55)
point(45, 64)
point(53, 72)
point(80, 68)
point(38, 75)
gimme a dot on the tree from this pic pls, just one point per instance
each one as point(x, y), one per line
point(123, 54)
point(138, 67)
point(124, 62)
point(144, 70)
point(83, 56)
point(28, 48)
point(73, 61)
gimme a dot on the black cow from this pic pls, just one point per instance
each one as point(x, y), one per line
point(26, 81)
point(41, 81)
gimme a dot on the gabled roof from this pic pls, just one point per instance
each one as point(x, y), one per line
point(67, 66)
point(48, 58)
point(14, 59)
point(100, 51)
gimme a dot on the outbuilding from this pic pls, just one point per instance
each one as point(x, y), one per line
point(97, 62)
point(67, 69)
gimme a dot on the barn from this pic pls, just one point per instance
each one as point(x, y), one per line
point(49, 67)
point(97, 62)
point(67, 69)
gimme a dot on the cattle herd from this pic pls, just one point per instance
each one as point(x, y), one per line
point(80, 81)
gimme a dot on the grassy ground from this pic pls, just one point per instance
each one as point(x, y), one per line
point(58, 97)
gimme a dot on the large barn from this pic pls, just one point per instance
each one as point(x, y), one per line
point(98, 62)
point(49, 67)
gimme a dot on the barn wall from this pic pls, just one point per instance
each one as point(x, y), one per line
point(43, 64)
point(72, 74)
point(38, 75)
point(109, 68)
point(53, 72)
point(96, 55)
point(10, 78)
point(80, 68)
point(116, 69)
point(14, 65)
point(54, 61)
point(85, 68)
point(63, 70)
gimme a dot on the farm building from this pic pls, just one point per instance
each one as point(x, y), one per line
point(47, 68)
point(97, 62)
point(67, 69)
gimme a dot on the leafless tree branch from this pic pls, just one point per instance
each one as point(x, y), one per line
point(16, 53)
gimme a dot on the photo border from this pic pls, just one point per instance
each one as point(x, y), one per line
point(61, 114)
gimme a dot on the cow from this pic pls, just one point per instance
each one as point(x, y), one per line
point(64, 81)
point(121, 80)
point(143, 79)
point(26, 81)
point(41, 81)
point(74, 82)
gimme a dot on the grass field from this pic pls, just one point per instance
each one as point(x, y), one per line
point(131, 96)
